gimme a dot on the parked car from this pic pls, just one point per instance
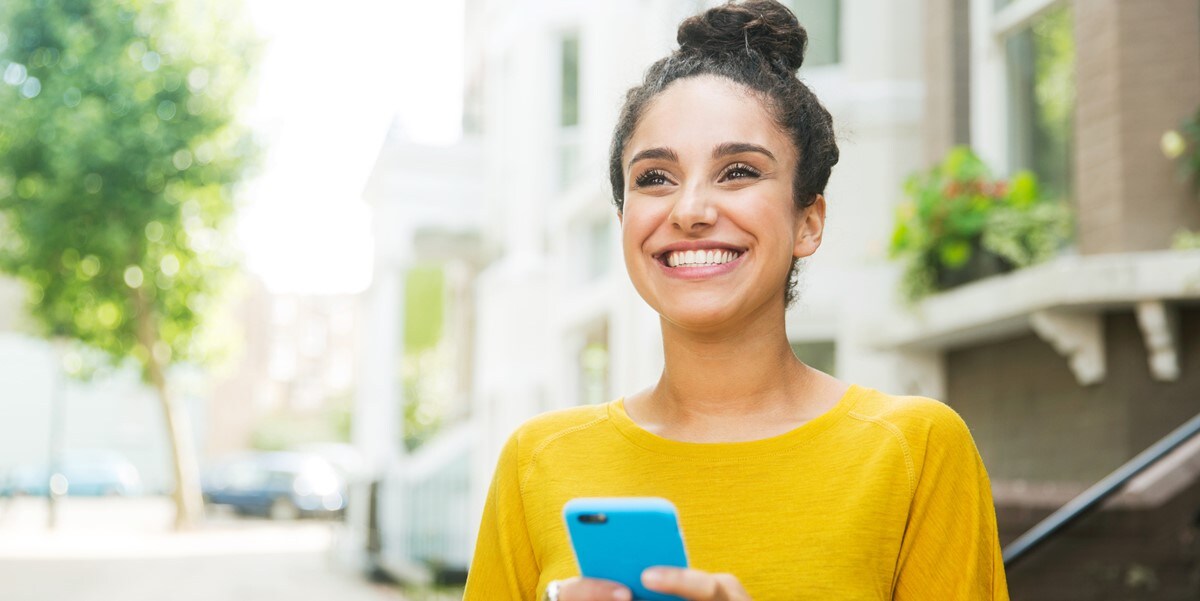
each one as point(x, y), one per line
point(84, 473)
point(344, 457)
point(279, 485)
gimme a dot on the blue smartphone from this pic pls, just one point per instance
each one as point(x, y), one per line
point(617, 538)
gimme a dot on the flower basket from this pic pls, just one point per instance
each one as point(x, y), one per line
point(982, 264)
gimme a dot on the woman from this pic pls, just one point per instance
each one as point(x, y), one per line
point(790, 484)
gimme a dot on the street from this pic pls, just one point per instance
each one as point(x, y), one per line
point(108, 549)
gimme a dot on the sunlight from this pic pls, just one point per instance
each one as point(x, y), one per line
point(330, 85)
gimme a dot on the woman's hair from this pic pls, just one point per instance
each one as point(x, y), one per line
point(760, 45)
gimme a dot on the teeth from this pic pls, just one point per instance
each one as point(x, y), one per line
point(692, 258)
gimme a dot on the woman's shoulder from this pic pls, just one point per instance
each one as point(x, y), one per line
point(544, 428)
point(919, 420)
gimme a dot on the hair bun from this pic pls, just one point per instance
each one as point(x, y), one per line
point(764, 26)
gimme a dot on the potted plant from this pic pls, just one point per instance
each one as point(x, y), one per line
point(960, 224)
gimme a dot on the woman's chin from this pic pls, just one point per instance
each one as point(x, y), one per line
point(709, 311)
point(699, 313)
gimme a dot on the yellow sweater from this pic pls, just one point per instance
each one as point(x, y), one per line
point(882, 497)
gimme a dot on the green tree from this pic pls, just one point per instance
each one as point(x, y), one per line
point(119, 151)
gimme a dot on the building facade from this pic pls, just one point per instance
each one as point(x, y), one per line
point(1067, 370)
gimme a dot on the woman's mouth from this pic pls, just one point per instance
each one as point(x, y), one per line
point(698, 258)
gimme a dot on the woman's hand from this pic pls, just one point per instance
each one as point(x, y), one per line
point(589, 589)
point(693, 585)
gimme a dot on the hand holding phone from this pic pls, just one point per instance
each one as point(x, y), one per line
point(617, 538)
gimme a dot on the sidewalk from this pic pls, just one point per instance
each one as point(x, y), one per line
point(106, 549)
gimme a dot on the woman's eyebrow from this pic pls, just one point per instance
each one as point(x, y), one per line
point(729, 148)
point(654, 153)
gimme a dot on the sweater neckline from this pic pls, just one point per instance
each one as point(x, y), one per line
point(731, 450)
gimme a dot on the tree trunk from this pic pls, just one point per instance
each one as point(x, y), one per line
point(189, 505)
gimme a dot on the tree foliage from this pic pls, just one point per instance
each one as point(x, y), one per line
point(118, 150)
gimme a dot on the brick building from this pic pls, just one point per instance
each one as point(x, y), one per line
point(1065, 371)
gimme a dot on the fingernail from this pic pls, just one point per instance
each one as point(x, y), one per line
point(621, 595)
point(652, 577)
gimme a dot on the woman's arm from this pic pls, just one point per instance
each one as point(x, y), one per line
point(951, 549)
point(504, 566)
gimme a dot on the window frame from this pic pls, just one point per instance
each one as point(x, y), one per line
point(990, 30)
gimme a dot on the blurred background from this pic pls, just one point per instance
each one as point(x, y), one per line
point(279, 278)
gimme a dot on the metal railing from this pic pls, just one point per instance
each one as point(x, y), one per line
point(1091, 498)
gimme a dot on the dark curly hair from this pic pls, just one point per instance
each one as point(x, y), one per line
point(759, 44)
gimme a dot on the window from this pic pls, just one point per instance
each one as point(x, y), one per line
point(1041, 96)
point(822, 19)
point(569, 113)
point(1023, 88)
point(568, 118)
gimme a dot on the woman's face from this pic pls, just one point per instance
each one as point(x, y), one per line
point(709, 228)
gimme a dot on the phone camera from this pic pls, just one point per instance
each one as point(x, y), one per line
point(593, 518)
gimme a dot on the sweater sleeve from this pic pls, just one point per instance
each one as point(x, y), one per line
point(951, 548)
point(504, 565)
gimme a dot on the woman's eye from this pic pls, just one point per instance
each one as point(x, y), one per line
point(739, 171)
point(654, 177)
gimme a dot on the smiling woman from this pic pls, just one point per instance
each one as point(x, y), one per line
point(789, 483)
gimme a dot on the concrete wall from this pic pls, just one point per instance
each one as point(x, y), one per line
point(1137, 75)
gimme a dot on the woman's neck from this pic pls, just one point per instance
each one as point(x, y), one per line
point(742, 383)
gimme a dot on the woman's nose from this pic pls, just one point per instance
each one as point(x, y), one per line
point(693, 210)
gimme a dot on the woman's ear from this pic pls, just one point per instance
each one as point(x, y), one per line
point(620, 215)
point(810, 225)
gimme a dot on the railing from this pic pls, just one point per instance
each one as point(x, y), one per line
point(1089, 499)
point(438, 522)
point(422, 528)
